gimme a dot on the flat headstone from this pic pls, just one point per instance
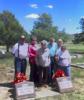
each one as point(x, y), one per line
point(24, 90)
point(41, 94)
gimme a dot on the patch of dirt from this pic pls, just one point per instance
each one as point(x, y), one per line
point(7, 90)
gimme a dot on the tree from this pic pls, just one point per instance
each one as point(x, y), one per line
point(10, 29)
point(43, 28)
point(63, 35)
point(82, 24)
point(80, 37)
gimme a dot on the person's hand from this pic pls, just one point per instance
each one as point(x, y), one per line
point(53, 76)
point(62, 64)
point(56, 58)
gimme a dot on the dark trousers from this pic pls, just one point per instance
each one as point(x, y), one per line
point(52, 65)
point(20, 65)
point(66, 69)
point(43, 75)
point(34, 73)
point(51, 70)
point(56, 66)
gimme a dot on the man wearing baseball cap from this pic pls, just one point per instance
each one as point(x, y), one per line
point(19, 51)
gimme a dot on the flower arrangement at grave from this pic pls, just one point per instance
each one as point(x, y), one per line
point(20, 77)
point(58, 73)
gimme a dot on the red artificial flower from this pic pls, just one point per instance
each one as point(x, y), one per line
point(20, 77)
point(59, 73)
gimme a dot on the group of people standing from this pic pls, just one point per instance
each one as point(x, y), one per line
point(44, 59)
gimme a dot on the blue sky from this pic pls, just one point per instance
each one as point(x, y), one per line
point(65, 13)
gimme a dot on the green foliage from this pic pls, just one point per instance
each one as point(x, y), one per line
point(65, 37)
point(82, 24)
point(76, 48)
point(43, 28)
point(76, 39)
point(80, 37)
point(10, 29)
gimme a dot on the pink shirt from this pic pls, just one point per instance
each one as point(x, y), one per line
point(32, 52)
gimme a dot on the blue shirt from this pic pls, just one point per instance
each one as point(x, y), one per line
point(53, 49)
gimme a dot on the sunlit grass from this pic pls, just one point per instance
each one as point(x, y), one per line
point(76, 73)
point(76, 47)
point(78, 60)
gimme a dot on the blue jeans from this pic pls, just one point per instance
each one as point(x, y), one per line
point(66, 69)
point(20, 65)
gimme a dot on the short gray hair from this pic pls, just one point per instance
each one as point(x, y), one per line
point(44, 42)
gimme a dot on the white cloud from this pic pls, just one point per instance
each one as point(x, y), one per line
point(50, 6)
point(33, 5)
point(32, 16)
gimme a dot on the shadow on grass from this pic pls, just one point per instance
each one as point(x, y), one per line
point(11, 89)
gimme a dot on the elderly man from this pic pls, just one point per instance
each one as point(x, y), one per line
point(59, 45)
point(52, 48)
point(58, 53)
point(20, 52)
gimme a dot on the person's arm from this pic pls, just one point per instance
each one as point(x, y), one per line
point(37, 58)
point(13, 50)
point(31, 52)
point(65, 55)
point(55, 48)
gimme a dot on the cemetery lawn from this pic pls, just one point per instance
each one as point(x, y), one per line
point(76, 48)
point(6, 65)
point(77, 60)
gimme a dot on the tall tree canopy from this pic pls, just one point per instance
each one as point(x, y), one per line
point(82, 24)
point(10, 29)
point(80, 37)
point(43, 28)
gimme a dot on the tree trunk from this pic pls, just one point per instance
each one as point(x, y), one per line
point(7, 48)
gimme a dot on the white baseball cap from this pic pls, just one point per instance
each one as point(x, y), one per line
point(22, 37)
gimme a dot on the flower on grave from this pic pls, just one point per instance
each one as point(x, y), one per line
point(20, 77)
point(58, 73)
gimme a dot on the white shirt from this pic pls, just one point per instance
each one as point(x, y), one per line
point(43, 57)
point(65, 58)
point(23, 50)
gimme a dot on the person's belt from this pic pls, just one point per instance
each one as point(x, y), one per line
point(21, 58)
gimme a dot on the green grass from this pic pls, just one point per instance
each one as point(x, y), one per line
point(6, 62)
point(78, 60)
point(77, 74)
point(3, 47)
point(76, 47)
